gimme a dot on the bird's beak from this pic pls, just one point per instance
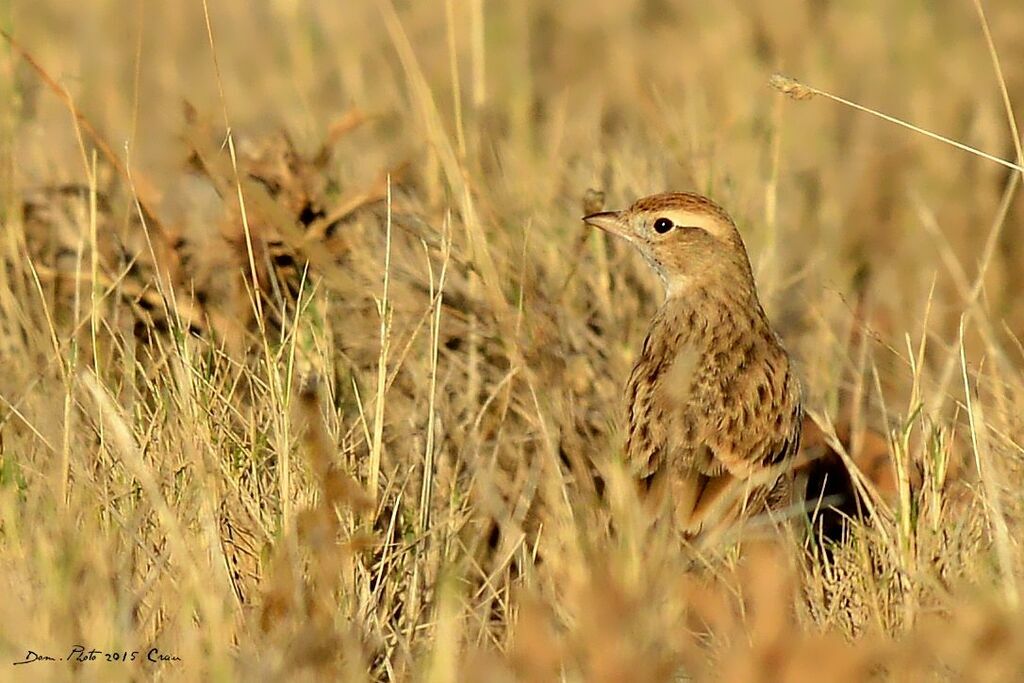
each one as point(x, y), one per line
point(609, 221)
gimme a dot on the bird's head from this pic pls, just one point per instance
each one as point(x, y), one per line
point(686, 238)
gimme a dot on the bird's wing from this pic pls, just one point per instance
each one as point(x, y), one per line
point(733, 473)
point(739, 430)
point(758, 436)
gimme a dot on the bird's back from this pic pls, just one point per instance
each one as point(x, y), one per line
point(712, 399)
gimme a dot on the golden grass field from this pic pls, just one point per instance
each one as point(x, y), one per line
point(401, 459)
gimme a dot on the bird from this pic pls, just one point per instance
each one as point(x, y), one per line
point(713, 403)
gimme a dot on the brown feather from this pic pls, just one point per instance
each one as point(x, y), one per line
point(713, 405)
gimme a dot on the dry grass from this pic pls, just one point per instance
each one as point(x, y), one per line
point(349, 409)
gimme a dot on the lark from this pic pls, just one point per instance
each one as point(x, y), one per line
point(714, 412)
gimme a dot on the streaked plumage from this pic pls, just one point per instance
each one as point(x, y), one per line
point(713, 406)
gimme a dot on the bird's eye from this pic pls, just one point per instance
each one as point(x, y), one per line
point(662, 225)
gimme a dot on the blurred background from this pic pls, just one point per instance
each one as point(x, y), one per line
point(542, 101)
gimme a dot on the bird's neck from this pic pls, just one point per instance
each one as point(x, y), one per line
point(697, 316)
